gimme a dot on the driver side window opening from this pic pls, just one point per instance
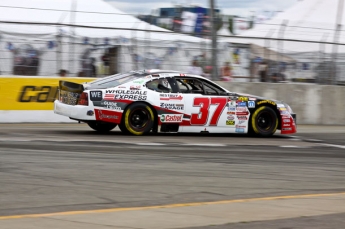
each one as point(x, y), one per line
point(159, 85)
point(197, 86)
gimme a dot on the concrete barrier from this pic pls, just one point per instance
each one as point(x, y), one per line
point(313, 104)
point(30, 99)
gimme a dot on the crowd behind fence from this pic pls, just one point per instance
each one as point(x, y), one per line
point(68, 54)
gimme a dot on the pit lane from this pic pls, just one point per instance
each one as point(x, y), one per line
point(62, 167)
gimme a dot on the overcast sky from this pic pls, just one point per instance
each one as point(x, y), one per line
point(230, 7)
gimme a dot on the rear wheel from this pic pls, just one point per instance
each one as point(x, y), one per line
point(102, 126)
point(264, 121)
point(138, 119)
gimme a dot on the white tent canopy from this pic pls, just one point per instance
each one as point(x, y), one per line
point(307, 20)
point(87, 13)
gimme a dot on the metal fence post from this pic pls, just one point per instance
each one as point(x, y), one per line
point(214, 74)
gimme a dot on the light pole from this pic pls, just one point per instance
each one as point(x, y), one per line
point(336, 40)
point(214, 41)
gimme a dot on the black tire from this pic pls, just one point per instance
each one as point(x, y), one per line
point(137, 119)
point(102, 127)
point(264, 122)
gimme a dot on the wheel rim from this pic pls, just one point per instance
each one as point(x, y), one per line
point(265, 121)
point(138, 119)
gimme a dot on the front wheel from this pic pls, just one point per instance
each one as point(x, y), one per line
point(264, 121)
point(138, 119)
point(102, 127)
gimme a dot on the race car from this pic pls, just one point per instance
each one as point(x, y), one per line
point(140, 102)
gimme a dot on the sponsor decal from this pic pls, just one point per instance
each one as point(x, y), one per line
point(239, 126)
point(252, 99)
point(242, 117)
point(170, 97)
point(282, 108)
point(241, 109)
point(110, 91)
point(182, 74)
point(287, 129)
point(231, 113)
point(171, 118)
point(135, 87)
point(251, 104)
point(36, 94)
point(230, 122)
point(231, 103)
point(111, 105)
point(242, 99)
point(172, 106)
point(68, 97)
point(239, 130)
point(286, 120)
point(101, 115)
point(231, 108)
point(131, 97)
point(267, 101)
point(138, 81)
point(121, 87)
point(241, 122)
point(286, 116)
point(242, 104)
point(280, 105)
point(109, 96)
point(231, 117)
point(284, 112)
point(96, 95)
point(129, 92)
point(287, 125)
point(242, 113)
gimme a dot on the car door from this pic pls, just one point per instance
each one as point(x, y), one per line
point(205, 106)
point(169, 102)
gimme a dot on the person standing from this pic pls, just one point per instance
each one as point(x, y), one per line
point(195, 69)
point(263, 72)
point(226, 72)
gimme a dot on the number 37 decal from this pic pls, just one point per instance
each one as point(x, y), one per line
point(201, 118)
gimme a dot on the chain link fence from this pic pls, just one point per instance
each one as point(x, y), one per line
point(65, 54)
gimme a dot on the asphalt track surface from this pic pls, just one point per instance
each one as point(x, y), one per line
point(48, 168)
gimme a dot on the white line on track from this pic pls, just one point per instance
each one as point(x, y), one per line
point(291, 146)
point(332, 145)
point(149, 144)
point(208, 144)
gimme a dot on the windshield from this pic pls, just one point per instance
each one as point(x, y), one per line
point(118, 79)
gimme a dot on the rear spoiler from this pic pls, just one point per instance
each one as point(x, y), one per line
point(70, 86)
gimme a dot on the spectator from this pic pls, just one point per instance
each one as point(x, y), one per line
point(195, 69)
point(62, 73)
point(93, 67)
point(226, 73)
point(263, 72)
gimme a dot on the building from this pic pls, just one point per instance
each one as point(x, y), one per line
point(187, 19)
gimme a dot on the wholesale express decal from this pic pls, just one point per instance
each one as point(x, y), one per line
point(32, 93)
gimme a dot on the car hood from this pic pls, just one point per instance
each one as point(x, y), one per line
point(258, 97)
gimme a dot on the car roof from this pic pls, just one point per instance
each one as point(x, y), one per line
point(164, 73)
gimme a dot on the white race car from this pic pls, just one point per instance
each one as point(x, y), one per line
point(146, 101)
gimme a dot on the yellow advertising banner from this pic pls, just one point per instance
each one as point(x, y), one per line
point(31, 93)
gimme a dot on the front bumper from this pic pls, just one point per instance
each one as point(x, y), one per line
point(288, 124)
point(77, 112)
